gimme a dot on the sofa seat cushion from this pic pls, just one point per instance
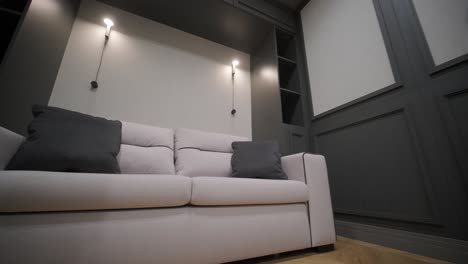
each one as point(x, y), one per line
point(240, 191)
point(41, 191)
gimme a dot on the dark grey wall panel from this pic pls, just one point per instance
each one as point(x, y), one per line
point(374, 169)
point(455, 107)
point(397, 158)
point(458, 103)
point(28, 72)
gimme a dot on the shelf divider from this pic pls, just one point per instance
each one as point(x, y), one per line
point(7, 10)
point(286, 60)
point(290, 91)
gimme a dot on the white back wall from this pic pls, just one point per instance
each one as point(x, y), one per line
point(152, 74)
point(346, 55)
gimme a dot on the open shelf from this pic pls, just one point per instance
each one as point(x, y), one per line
point(291, 108)
point(2, 9)
point(285, 45)
point(9, 21)
point(13, 5)
point(287, 74)
point(287, 61)
point(290, 91)
point(10, 15)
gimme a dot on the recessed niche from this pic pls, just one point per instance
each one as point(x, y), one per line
point(288, 74)
point(285, 45)
point(291, 101)
point(291, 107)
point(9, 22)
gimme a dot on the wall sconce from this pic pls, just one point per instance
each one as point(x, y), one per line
point(234, 68)
point(109, 23)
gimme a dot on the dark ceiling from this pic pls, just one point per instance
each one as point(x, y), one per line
point(293, 5)
point(211, 19)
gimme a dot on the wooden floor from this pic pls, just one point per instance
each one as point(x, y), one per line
point(346, 251)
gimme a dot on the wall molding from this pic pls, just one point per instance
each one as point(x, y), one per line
point(379, 116)
point(365, 98)
point(449, 65)
point(387, 216)
point(434, 217)
point(428, 245)
point(454, 128)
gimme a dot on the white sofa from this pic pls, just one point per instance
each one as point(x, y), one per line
point(173, 203)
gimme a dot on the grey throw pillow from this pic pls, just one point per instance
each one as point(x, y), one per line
point(260, 160)
point(67, 141)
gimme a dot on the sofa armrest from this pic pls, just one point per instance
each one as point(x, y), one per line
point(312, 170)
point(9, 144)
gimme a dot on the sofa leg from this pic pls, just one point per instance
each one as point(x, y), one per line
point(325, 248)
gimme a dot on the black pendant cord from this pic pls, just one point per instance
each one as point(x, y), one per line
point(233, 111)
point(94, 83)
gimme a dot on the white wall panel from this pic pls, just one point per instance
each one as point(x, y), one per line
point(445, 25)
point(345, 51)
point(152, 74)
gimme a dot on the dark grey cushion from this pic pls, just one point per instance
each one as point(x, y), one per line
point(256, 160)
point(62, 140)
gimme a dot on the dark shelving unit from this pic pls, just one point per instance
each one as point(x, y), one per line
point(290, 92)
point(285, 45)
point(14, 5)
point(291, 106)
point(10, 16)
point(288, 77)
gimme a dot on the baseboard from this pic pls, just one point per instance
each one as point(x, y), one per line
point(432, 246)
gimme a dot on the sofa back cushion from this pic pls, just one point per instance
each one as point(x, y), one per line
point(146, 149)
point(201, 153)
point(68, 141)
